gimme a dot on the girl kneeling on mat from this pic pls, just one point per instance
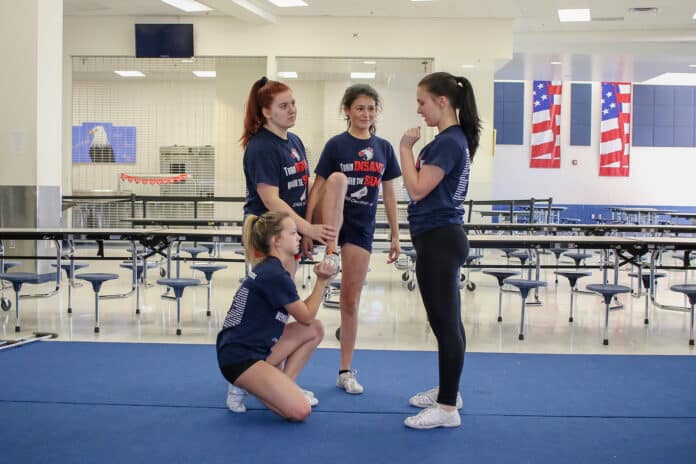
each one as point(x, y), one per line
point(258, 350)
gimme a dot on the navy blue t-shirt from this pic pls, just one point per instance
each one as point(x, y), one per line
point(271, 160)
point(366, 163)
point(444, 205)
point(257, 316)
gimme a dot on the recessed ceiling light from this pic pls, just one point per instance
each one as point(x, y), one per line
point(369, 62)
point(556, 62)
point(362, 75)
point(468, 66)
point(574, 15)
point(188, 60)
point(287, 74)
point(205, 73)
point(130, 73)
point(189, 6)
point(287, 3)
point(694, 16)
point(421, 0)
point(692, 65)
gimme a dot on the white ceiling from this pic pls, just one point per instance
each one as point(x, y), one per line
point(617, 44)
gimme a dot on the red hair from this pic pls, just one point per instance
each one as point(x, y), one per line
point(261, 96)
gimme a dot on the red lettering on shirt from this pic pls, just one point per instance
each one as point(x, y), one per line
point(368, 166)
point(371, 181)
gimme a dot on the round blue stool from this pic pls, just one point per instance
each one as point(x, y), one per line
point(572, 277)
point(194, 251)
point(140, 268)
point(178, 286)
point(690, 291)
point(608, 291)
point(500, 275)
point(557, 252)
point(17, 279)
point(70, 269)
point(96, 279)
point(524, 285)
point(649, 288)
point(578, 257)
point(208, 270)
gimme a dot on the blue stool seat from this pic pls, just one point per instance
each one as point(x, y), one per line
point(9, 265)
point(558, 251)
point(690, 291)
point(17, 279)
point(645, 277)
point(194, 251)
point(500, 275)
point(608, 291)
point(687, 289)
point(578, 257)
point(69, 269)
point(573, 276)
point(209, 246)
point(178, 286)
point(208, 269)
point(96, 279)
point(524, 285)
point(140, 267)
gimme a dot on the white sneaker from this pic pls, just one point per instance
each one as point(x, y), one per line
point(235, 399)
point(429, 398)
point(349, 382)
point(311, 399)
point(434, 417)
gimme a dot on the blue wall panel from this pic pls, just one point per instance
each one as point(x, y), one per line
point(580, 114)
point(508, 112)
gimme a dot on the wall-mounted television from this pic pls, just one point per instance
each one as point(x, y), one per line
point(163, 40)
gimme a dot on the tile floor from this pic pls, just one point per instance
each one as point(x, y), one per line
point(391, 316)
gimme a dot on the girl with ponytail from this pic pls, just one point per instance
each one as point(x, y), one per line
point(258, 350)
point(275, 163)
point(437, 183)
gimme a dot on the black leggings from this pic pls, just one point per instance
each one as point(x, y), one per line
point(440, 254)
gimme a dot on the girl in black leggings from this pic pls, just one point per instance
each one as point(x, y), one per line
point(437, 183)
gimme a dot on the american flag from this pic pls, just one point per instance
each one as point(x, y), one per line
point(546, 125)
point(615, 138)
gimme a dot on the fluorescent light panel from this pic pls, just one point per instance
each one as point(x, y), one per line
point(468, 66)
point(369, 62)
point(362, 75)
point(287, 74)
point(130, 73)
point(574, 15)
point(556, 62)
point(288, 3)
point(205, 73)
point(189, 6)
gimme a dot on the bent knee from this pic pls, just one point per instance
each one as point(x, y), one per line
point(299, 412)
point(317, 328)
point(337, 180)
